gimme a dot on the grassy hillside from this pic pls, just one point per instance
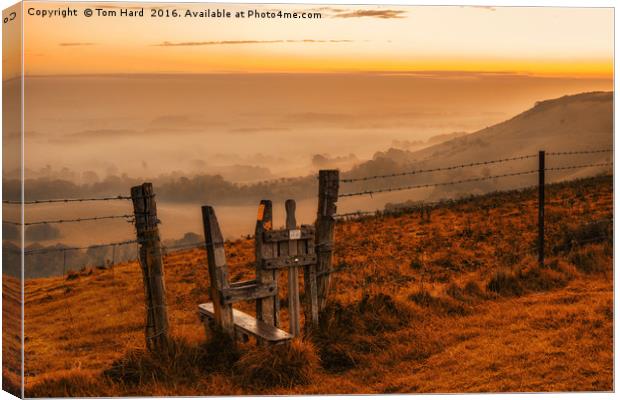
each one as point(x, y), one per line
point(448, 302)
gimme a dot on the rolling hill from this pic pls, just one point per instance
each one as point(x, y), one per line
point(577, 122)
point(449, 301)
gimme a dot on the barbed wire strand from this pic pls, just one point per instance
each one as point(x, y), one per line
point(421, 171)
point(127, 217)
point(579, 166)
point(567, 153)
point(400, 188)
point(71, 200)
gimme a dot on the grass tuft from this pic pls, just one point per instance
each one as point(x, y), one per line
point(590, 260)
point(531, 278)
point(284, 365)
point(505, 283)
point(440, 305)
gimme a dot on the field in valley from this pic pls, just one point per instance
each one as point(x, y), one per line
point(449, 301)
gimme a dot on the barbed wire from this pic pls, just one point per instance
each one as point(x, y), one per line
point(119, 197)
point(128, 217)
point(421, 171)
point(400, 188)
point(567, 153)
point(580, 166)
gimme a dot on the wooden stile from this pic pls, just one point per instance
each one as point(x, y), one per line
point(290, 249)
point(325, 222)
point(293, 272)
point(267, 309)
point(151, 263)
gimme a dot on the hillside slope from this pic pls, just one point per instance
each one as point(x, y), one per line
point(448, 302)
point(582, 121)
point(577, 122)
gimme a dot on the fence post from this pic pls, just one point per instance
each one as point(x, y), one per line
point(293, 272)
point(145, 210)
point(541, 208)
point(267, 309)
point(328, 196)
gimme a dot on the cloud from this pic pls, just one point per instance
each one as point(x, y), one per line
point(487, 8)
point(257, 130)
point(72, 44)
point(233, 42)
point(103, 133)
point(382, 14)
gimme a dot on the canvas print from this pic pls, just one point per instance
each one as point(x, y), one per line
point(205, 199)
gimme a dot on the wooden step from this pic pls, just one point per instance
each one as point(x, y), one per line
point(247, 324)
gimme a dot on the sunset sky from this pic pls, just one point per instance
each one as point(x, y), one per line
point(259, 99)
point(537, 41)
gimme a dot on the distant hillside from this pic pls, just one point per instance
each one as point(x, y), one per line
point(583, 121)
point(577, 122)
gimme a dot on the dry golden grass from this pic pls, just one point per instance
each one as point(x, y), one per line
point(11, 335)
point(454, 304)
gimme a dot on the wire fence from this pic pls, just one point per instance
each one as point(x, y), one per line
point(428, 185)
point(370, 192)
point(453, 167)
point(74, 200)
point(130, 218)
point(127, 217)
point(569, 153)
point(425, 206)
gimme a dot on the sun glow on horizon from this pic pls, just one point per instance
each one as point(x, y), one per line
point(566, 42)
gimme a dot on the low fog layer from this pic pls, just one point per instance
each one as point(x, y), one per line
point(554, 125)
point(251, 127)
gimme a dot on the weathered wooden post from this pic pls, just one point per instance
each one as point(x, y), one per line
point(145, 210)
point(267, 309)
point(328, 196)
point(218, 271)
point(293, 271)
point(541, 208)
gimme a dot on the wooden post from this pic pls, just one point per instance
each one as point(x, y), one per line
point(293, 272)
point(311, 303)
point(541, 208)
point(267, 309)
point(218, 271)
point(328, 196)
point(145, 210)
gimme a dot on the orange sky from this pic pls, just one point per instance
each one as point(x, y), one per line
point(538, 41)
